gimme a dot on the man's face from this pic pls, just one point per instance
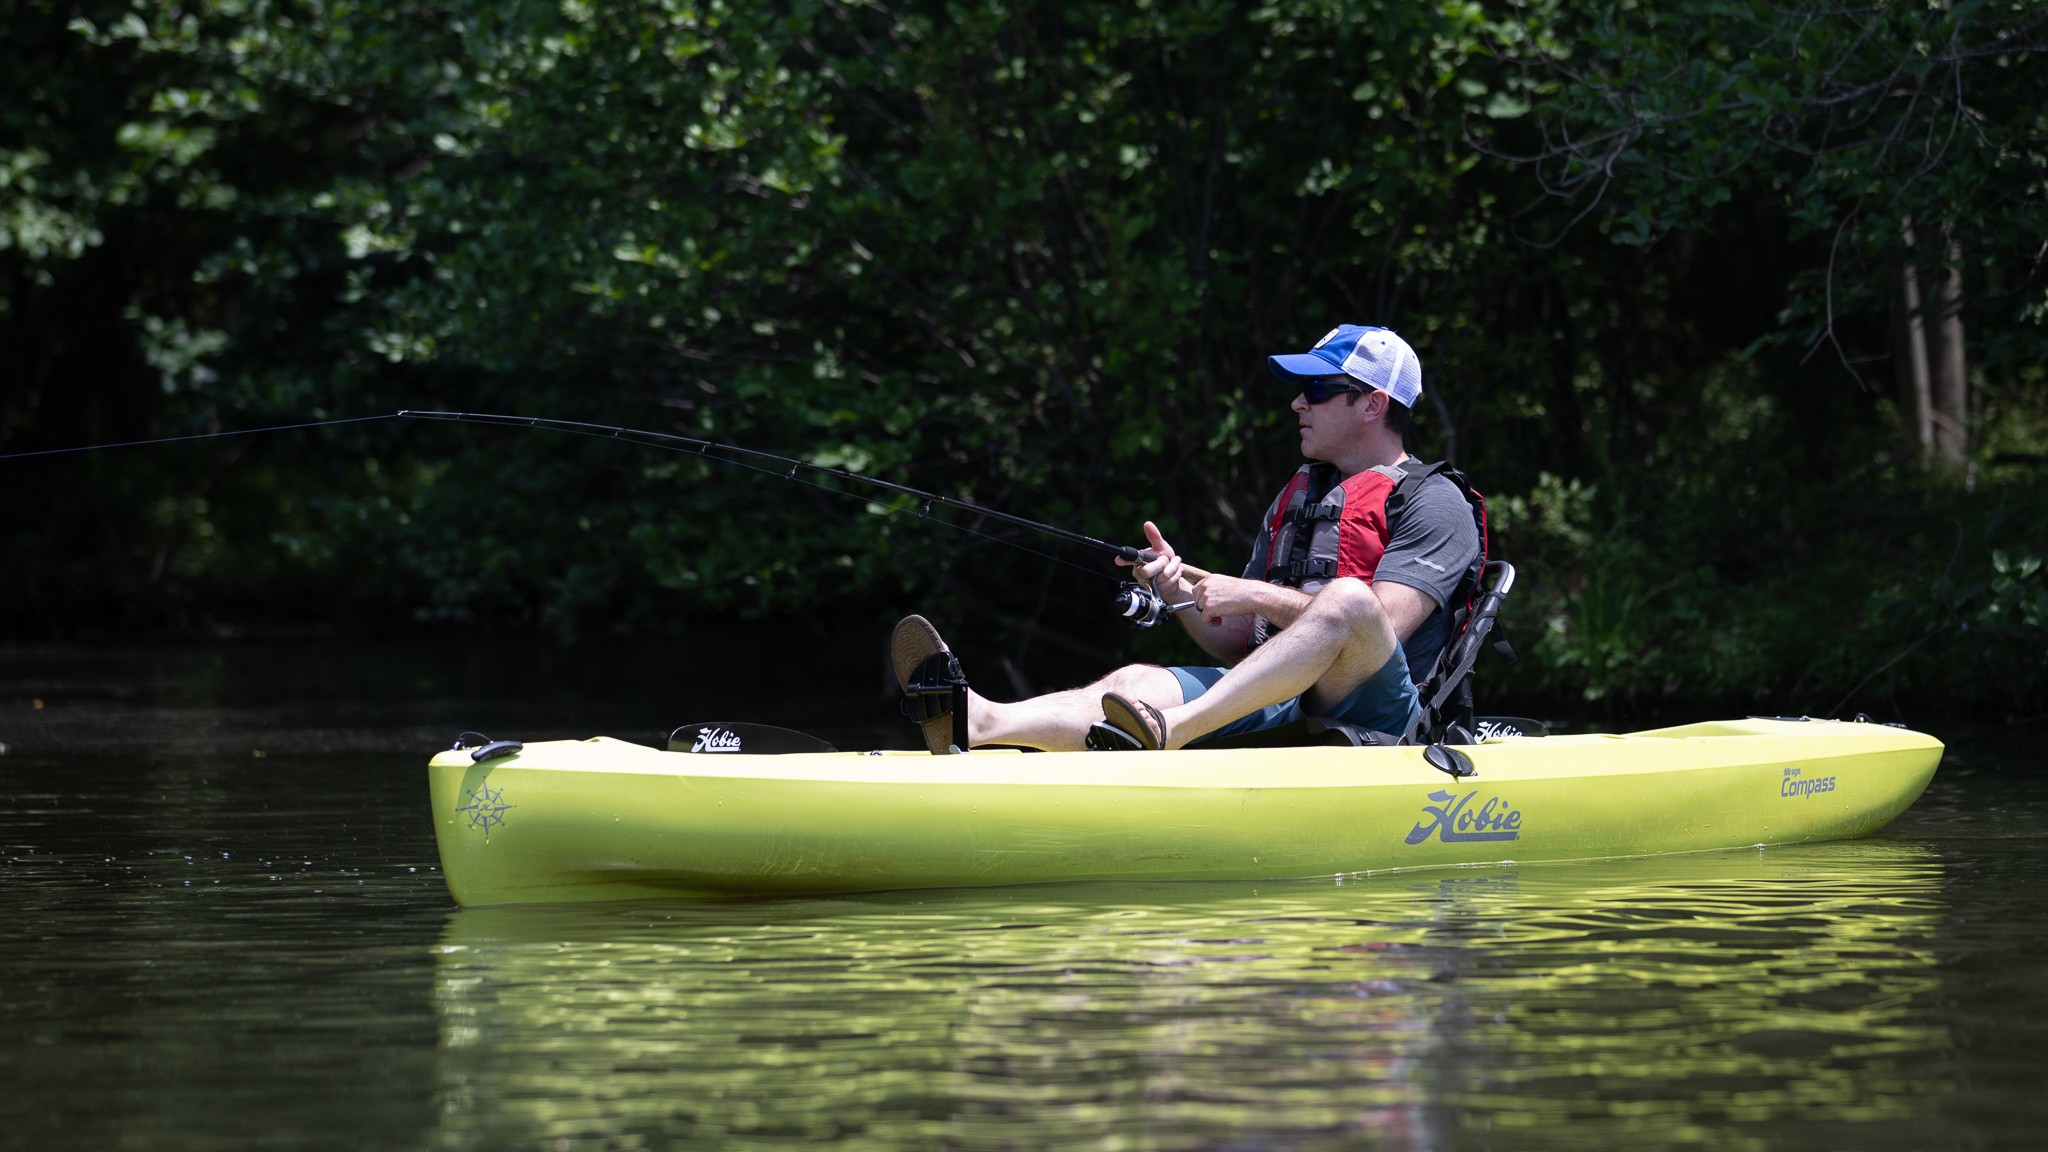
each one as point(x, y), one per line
point(1329, 424)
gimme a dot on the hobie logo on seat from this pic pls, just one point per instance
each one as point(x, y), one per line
point(1453, 820)
point(716, 740)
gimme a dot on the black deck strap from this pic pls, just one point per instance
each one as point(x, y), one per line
point(495, 749)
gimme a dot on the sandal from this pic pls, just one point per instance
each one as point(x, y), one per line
point(1103, 737)
point(1144, 724)
point(934, 688)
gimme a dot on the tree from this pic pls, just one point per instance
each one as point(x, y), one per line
point(1893, 136)
point(1032, 255)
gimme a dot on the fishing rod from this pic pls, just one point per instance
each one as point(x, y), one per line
point(1139, 602)
point(200, 436)
point(698, 447)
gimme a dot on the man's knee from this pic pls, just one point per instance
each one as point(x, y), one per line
point(1148, 682)
point(1350, 605)
point(1351, 600)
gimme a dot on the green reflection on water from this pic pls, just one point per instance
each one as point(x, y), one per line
point(1737, 1000)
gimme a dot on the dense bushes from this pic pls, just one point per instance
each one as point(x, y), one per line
point(1028, 255)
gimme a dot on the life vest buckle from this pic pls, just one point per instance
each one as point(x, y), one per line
point(1314, 513)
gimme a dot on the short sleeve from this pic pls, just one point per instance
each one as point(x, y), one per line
point(1432, 542)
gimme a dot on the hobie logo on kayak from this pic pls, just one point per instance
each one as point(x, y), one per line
point(716, 740)
point(1453, 820)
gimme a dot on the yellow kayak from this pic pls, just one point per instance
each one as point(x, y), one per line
point(604, 819)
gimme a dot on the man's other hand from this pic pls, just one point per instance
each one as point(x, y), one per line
point(1218, 597)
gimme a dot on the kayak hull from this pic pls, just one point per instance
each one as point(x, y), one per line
point(603, 819)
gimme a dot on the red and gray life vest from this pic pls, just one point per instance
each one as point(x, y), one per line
point(1321, 526)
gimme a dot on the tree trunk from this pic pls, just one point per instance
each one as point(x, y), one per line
point(1909, 354)
point(1950, 386)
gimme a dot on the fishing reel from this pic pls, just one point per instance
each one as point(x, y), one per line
point(1144, 606)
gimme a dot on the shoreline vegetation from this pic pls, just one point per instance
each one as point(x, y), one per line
point(1733, 310)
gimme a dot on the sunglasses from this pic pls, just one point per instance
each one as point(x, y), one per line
point(1317, 389)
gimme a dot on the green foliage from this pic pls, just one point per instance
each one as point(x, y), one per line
point(2018, 600)
point(1028, 255)
point(1853, 124)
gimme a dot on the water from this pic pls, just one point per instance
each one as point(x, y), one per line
point(226, 928)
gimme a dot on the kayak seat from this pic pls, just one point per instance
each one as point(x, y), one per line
point(1447, 708)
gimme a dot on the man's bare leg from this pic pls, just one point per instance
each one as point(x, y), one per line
point(1338, 643)
point(1059, 722)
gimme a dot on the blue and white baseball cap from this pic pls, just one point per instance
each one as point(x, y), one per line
point(1374, 357)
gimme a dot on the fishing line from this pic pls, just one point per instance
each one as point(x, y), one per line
point(201, 436)
point(1144, 606)
point(731, 453)
point(1139, 602)
point(922, 513)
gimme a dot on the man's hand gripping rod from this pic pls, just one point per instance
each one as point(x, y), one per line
point(1142, 603)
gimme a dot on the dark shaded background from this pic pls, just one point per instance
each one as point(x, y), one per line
point(1031, 257)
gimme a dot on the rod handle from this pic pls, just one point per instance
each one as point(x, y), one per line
point(1144, 555)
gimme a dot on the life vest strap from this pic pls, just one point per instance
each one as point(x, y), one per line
point(1297, 571)
point(1311, 514)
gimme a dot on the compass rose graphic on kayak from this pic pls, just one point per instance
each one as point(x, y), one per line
point(486, 807)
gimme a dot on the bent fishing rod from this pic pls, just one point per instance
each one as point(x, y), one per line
point(1141, 603)
point(788, 467)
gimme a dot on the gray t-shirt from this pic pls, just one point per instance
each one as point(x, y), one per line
point(1429, 546)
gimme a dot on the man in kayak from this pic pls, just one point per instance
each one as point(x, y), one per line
point(1344, 595)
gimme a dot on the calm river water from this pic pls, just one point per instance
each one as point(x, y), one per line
point(226, 929)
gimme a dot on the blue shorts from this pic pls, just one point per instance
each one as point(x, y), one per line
point(1387, 702)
